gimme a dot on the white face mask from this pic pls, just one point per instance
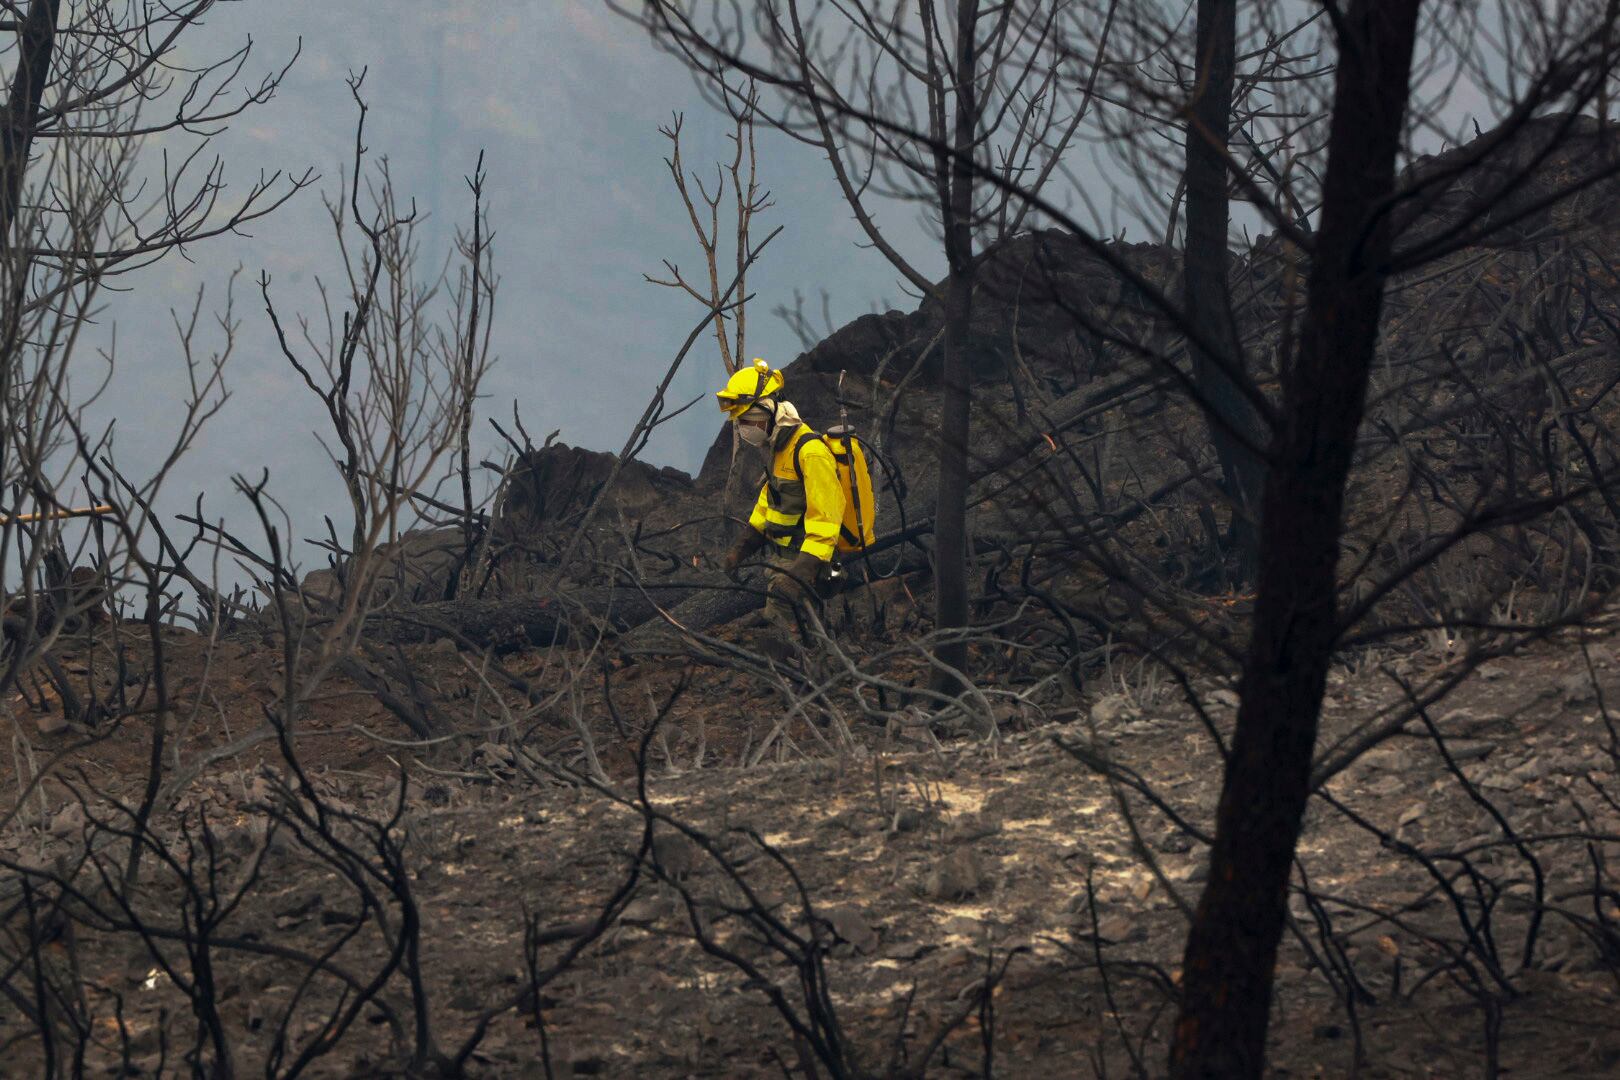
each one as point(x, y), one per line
point(752, 434)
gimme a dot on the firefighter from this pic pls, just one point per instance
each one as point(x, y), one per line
point(800, 507)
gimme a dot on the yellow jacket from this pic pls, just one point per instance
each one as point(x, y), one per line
point(801, 505)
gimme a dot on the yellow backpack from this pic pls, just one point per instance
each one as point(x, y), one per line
point(855, 474)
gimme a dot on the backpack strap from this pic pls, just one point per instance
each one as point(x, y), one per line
point(798, 469)
point(852, 444)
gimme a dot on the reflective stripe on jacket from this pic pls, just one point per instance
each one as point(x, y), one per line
point(801, 508)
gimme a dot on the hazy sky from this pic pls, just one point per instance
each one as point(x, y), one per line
point(566, 100)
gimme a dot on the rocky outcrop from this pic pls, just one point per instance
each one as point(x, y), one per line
point(553, 485)
point(415, 569)
point(1506, 187)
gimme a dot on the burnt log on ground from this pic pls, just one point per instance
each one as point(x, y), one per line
point(512, 622)
point(711, 608)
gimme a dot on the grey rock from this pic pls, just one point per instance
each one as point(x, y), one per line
point(908, 951)
point(1470, 722)
point(1463, 750)
point(674, 854)
point(958, 875)
point(850, 925)
point(1569, 763)
point(1533, 769)
point(69, 821)
point(909, 819)
point(1387, 784)
point(1395, 759)
point(970, 827)
point(299, 908)
point(51, 724)
point(241, 839)
point(1577, 689)
point(1119, 928)
point(1112, 709)
point(645, 911)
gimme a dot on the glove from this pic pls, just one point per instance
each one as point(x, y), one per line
point(806, 570)
point(750, 542)
point(796, 582)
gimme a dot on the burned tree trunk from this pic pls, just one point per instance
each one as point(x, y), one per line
point(1232, 947)
point(950, 511)
point(1235, 430)
point(36, 42)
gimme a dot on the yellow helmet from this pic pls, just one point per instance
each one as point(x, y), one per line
point(747, 386)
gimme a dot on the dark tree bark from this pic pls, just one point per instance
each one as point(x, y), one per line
point(1235, 429)
point(36, 39)
point(469, 356)
point(1232, 947)
point(950, 510)
point(518, 621)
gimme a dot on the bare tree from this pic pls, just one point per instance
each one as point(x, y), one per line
point(88, 84)
point(1235, 428)
point(397, 383)
point(741, 176)
point(1232, 947)
point(748, 199)
point(107, 71)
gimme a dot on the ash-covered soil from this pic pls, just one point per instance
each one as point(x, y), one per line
point(926, 872)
